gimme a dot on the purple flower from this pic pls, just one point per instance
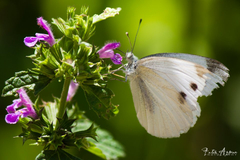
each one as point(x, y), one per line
point(31, 41)
point(117, 59)
point(13, 114)
point(107, 52)
point(72, 90)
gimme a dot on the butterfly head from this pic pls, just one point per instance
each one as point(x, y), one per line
point(132, 63)
point(130, 57)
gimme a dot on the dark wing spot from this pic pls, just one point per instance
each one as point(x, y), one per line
point(182, 97)
point(194, 86)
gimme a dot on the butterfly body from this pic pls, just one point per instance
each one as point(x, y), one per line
point(165, 88)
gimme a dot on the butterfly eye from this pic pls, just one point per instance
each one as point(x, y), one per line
point(129, 55)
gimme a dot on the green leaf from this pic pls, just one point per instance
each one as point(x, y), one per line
point(84, 10)
point(81, 65)
point(60, 23)
point(70, 12)
point(65, 44)
point(56, 52)
point(108, 12)
point(109, 147)
point(99, 99)
point(105, 146)
point(28, 79)
point(90, 132)
point(47, 62)
point(51, 110)
point(65, 122)
point(55, 155)
point(28, 134)
point(95, 150)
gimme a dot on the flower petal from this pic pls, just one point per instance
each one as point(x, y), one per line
point(45, 37)
point(13, 114)
point(12, 108)
point(24, 97)
point(72, 90)
point(117, 59)
point(24, 112)
point(30, 41)
point(109, 46)
point(106, 54)
point(12, 118)
point(42, 36)
point(43, 23)
point(27, 102)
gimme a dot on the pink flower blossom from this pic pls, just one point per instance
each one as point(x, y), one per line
point(14, 113)
point(49, 38)
point(107, 52)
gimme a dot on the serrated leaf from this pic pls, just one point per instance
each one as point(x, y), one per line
point(28, 79)
point(99, 99)
point(28, 134)
point(105, 146)
point(95, 150)
point(65, 122)
point(108, 12)
point(90, 132)
point(55, 155)
point(109, 147)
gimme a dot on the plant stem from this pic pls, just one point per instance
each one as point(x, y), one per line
point(62, 106)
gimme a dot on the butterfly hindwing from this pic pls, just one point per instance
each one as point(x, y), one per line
point(157, 110)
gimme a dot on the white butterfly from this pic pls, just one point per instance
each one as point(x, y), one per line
point(165, 88)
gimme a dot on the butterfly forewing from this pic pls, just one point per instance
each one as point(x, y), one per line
point(219, 72)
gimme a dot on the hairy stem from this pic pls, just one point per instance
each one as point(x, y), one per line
point(62, 106)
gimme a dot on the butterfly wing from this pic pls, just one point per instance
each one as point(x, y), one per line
point(158, 111)
point(219, 72)
point(165, 92)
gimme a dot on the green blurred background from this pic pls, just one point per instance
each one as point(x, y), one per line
point(204, 27)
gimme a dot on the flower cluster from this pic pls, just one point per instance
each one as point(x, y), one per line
point(61, 124)
point(31, 41)
point(107, 52)
point(14, 113)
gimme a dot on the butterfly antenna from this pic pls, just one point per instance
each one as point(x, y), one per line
point(129, 41)
point(136, 35)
